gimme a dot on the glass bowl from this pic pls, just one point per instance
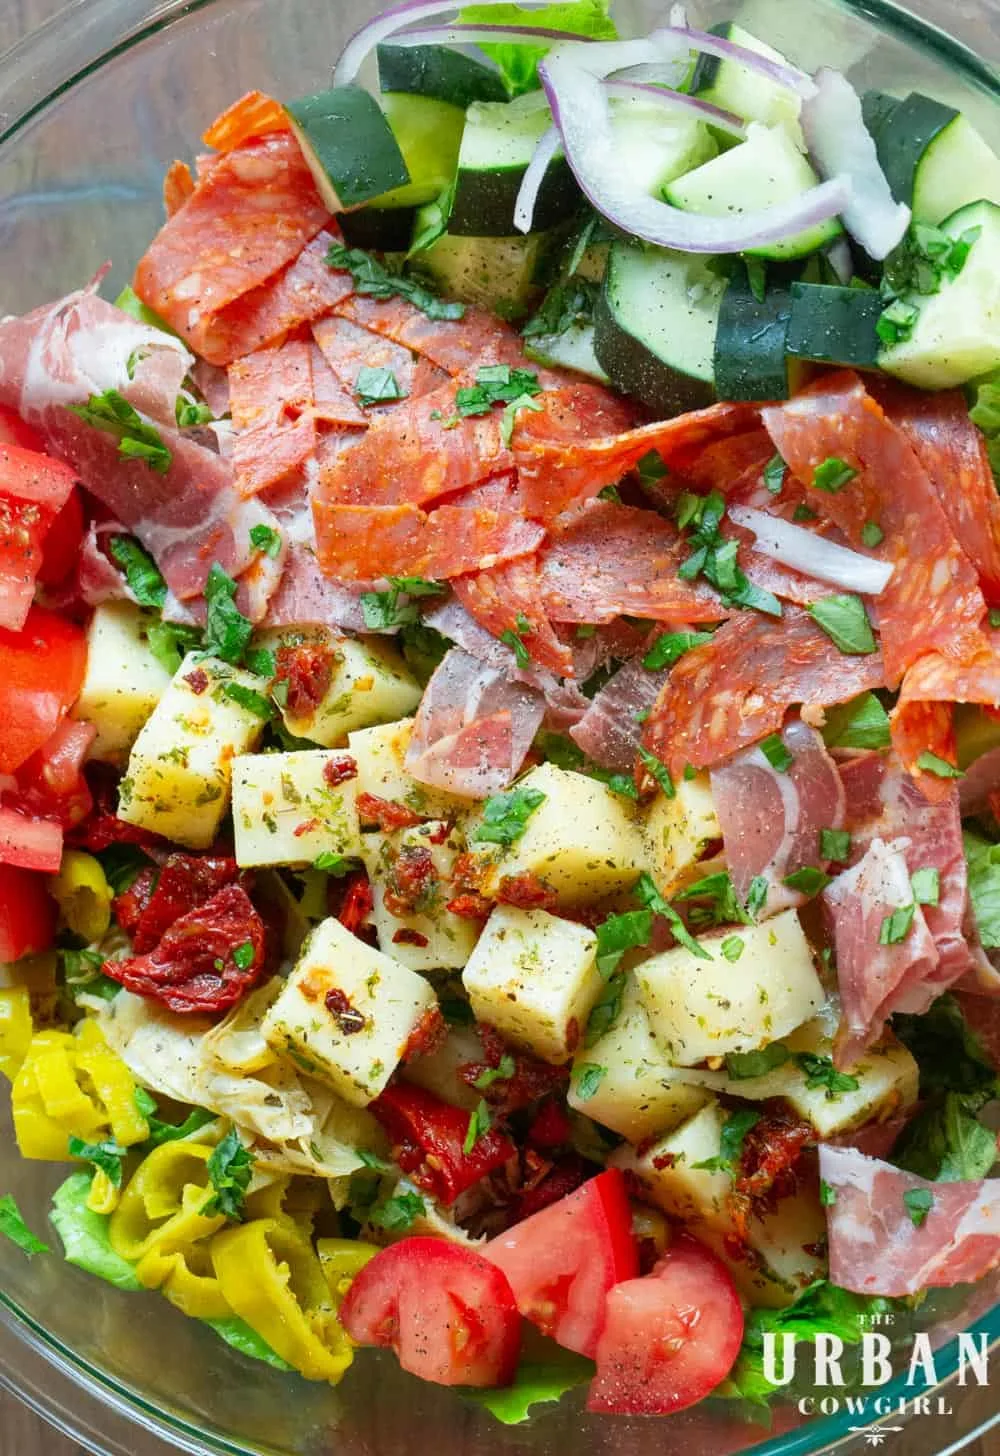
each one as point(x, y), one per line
point(93, 107)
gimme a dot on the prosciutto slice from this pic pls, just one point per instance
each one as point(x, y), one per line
point(729, 693)
point(473, 728)
point(877, 1248)
point(611, 729)
point(933, 601)
point(362, 543)
point(771, 819)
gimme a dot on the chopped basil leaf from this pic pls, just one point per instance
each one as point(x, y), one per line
point(845, 621)
point(926, 884)
point(741, 1066)
point(896, 323)
point(107, 1156)
point(896, 927)
point(620, 933)
point(267, 539)
point(714, 557)
point(734, 1131)
point(833, 474)
point(496, 384)
point(648, 895)
point(189, 413)
point(249, 699)
point(337, 865)
point(382, 611)
point(516, 644)
point(835, 844)
point(861, 723)
point(523, 401)
point(505, 816)
point(872, 534)
point(142, 575)
point(587, 1077)
point(398, 1213)
point(606, 1010)
point(671, 646)
point(375, 280)
point(931, 763)
point(13, 1227)
point(808, 880)
point(774, 474)
point(803, 513)
point(170, 1132)
point(732, 947)
point(756, 896)
point(827, 1194)
point(479, 1126)
point(243, 955)
point(659, 771)
point(718, 903)
point(376, 386)
point(501, 1073)
point(227, 631)
point(230, 1168)
point(777, 754)
point(821, 1073)
point(170, 642)
point(564, 306)
point(137, 440)
point(918, 1203)
point(261, 661)
point(416, 586)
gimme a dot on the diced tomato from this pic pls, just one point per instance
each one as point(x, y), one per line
point(33, 490)
point(27, 915)
point(429, 1137)
point(562, 1261)
point(448, 1313)
point(13, 431)
point(670, 1337)
point(61, 549)
point(51, 784)
point(33, 844)
point(41, 673)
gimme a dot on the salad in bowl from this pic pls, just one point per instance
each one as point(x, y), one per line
point(500, 628)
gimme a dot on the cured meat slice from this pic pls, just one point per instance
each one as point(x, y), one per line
point(610, 731)
point(458, 346)
point(271, 393)
point(248, 217)
point(877, 1247)
point(583, 439)
point(932, 601)
point(878, 973)
point(362, 543)
point(507, 599)
point(305, 597)
point(473, 728)
point(953, 453)
point(733, 691)
point(331, 403)
point(772, 819)
point(253, 115)
point(178, 185)
point(348, 349)
point(734, 463)
point(612, 560)
point(922, 719)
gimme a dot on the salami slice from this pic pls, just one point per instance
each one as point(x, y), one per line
point(362, 543)
point(922, 719)
point(348, 349)
point(933, 601)
point(736, 689)
point(253, 115)
point(457, 346)
point(178, 186)
point(507, 599)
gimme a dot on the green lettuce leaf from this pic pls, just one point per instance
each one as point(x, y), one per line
point(983, 859)
point(518, 64)
point(545, 1376)
point(237, 1332)
point(84, 1234)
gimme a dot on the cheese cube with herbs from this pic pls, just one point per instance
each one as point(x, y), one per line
point(290, 808)
point(749, 987)
point(352, 683)
point(786, 1250)
point(410, 870)
point(347, 1012)
point(625, 1081)
point(180, 768)
point(577, 836)
point(124, 680)
point(380, 754)
point(671, 1171)
point(534, 977)
point(678, 831)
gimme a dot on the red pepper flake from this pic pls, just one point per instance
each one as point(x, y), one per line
point(664, 1160)
point(405, 936)
point(527, 892)
point(386, 813)
point(306, 827)
point(440, 834)
point(347, 1016)
point(428, 1036)
point(339, 770)
point(470, 906)
point(197, 680)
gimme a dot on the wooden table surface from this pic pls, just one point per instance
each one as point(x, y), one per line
point(22, 1433)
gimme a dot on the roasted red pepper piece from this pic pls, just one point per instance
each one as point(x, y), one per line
point(429, 1136)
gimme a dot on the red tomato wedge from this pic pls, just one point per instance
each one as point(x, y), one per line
point(27, 915)
point(671, 1337)
point(33, 844)
point(13, 431)
point(34, 489)
point(41, 673)
point(448, 1313)
point(62, 545)
point(562, 1262)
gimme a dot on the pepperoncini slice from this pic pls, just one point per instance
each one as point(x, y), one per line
point(103, 1196)
point(188, 1280)
point(16, 1029)
point(273, 1280)
point(162, 1206)
point(341, 1260)
point(82, 894)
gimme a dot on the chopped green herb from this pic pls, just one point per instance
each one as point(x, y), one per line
point(931, 763)
point(230, 1168)
point(398, 1213)
point(808, 880)
point(671, 646)
point(565, 306)
point(375, 280)
point(266, 539)
point(777, 754)
point(896, 927)
point(523, 401)
point(827, 1194)
point(382, 611)
point(872, 534)
point(896, 323)
point(479, 1125)
point(659, 771)
point(505, 816)
point(227, 631)
point(821, 1073)
point(926, 884)
point(337, 865)
point(244, 954)
point(249, 699)
point(861, 723)
point(142, 575)
point(170, 642)
point(170, 1132)
point(774, 474)
point(189, 413)
point(137, 440)
point(376, 386)
point(756, 896)
point(261, 661)
point(495, 384)
point(835, 844)
point(734, 1131)
point(714, 557)
point(757, 277)
point(733, 947)
point(742, 1066)
point(107, 1156)
point(13, 1227)
point(845, 621)
point(501, 1073)
point(606, 1010)
point(516, 644)
point(718, 903)
point(918, 1202)
point(587, 1077)
point(803, 513)
point(648, 895)
point(833, 474)
point(619, 933)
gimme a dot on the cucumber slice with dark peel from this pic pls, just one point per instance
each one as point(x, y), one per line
point(349, 146)
point(831, 324)
point(501, 274)
point(747, 93)
point(876, 108)
point(934, 159)
point(497, 146)
point(429, 134)
point(378, 229)
point(750, 360)
point(572, 349)
point(655, 324)
point(436, 71)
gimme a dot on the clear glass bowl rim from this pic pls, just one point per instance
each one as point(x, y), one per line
point(77, 42)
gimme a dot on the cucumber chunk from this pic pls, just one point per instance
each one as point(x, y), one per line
point(572, 349)
point(349, 146)
point(429, 134)
point(437, 71)
point(956, 336)
point(736, 88)
point(501, 274)
point(934, 158)
point(750, 360)
point(498, 143)
point(655, 147)
point(831, 324)
point(655, 325)
point(767, 168)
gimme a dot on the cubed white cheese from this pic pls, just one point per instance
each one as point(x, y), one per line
point(701, 1008)
point(380, 754)
point(534, 977)
point(369, 683)
point(678, 830)
point(287, 811)
point(124, 681)
point(347, 1012)
point(638, 1094)
point(180, 768)
point(440, 1072)
point(582, 840)
point(785, 1251)
point(667, 1170)
point(429, 938)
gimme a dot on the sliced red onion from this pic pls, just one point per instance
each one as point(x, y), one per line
point(655, 73)
point(840, 143)
point(410, 12)
point(580, 110)
point(524, 208)
point(807, 552)
point(838, 255)
point(482, 34)
point(674, 36)
point(690, 106)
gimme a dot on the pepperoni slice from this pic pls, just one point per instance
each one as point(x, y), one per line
point(582, 440)
point(933, 601)
point(178, 185)
point(348, 349)
point(922, 719)
point(457, 346)
point(731, 463)
point(248, 217)
point(362, 543)
point(253, 115)
point(953, 453)
point(613, 560)
point(736, 689)
point(508, 599)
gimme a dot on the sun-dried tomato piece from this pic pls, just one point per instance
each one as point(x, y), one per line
point(428, 1139)
point(357, 901)
point(386, 813)
point(132, 904)
point(566, 1176)
point(185, 882)
point(405, 936)
point(771, 1150)
point(428, 1036)
point(307, 669)
point(550, 1127)
point(530, 1081)
point(345, 1014)
point(206, 960)
point(102, 828)
point(339, 770)
point(470, 906)
point(412, 883)
point(468, 873)
point(527, 892)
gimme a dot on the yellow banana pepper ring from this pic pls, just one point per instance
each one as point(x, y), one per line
point(341, 1260)
point(15, 1029)
point(187, 1279)
point(162, 1205)
point(82, 894)
point(47, 1102)
point(272, 1278)
point(103, 1196)
point(115, 1088)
